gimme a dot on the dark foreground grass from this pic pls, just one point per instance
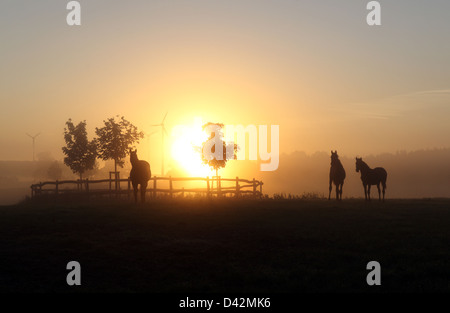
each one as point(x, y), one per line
point(227, 246)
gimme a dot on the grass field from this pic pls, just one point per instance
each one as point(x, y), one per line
point(202, 245)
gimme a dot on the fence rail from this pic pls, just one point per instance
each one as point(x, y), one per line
point(115, 186)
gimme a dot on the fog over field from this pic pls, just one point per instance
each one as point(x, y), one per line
point(418, 174)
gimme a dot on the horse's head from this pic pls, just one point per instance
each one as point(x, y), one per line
point(334, 156)
point(133, 156)
point(359, 163)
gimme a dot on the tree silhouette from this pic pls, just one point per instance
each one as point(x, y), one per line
point(54, 171)
point(115, 140)
point(80, 152)
point(209, 156)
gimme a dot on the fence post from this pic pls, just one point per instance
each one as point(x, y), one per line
point(37, 189)
point(115, 181)
point(219, 187)
point(129, 187)
point(117, 176)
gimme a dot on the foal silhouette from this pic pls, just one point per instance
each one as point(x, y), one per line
point(337, 175)
point(371, 177)
point(140, 175)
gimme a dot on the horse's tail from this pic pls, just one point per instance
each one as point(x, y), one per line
point(383, 180)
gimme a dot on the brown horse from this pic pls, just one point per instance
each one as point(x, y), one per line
point(140, 175)
point(337, 175)
point(371, 177)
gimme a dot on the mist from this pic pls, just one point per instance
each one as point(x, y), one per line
point(417, 174)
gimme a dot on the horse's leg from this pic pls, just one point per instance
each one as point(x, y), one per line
point(384, 188)
point(365, 191)
point(143, 190)
point(135, 191)
point(329, 193)
point(379, 192)
point(340, 191)
point(368, 192)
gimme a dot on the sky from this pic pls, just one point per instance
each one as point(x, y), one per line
point(315, 68)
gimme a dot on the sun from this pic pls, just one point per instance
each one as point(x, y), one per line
point(187, 140)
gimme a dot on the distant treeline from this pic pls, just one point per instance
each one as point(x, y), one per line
point(18, 173)
point(17, 176)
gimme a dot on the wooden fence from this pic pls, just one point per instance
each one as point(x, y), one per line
point(116, 186)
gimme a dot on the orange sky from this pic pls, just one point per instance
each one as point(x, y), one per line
point(316, 69)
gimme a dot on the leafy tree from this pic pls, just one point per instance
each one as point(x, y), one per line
point(54, 171)
point(80, 152)
point(116, 138)
point(209, 156)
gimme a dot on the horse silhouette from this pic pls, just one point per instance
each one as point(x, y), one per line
point(337, 175)
point(371, 177)
point(140, 175)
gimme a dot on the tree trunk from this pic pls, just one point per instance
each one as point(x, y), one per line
point(217, 182)
point(115, 174)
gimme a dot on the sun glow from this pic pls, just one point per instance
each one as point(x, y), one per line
point(187, 140)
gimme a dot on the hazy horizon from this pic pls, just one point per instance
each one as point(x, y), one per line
point(418, 174)
point(316, 69)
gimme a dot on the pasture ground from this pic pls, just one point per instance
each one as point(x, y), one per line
point(201, 245)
